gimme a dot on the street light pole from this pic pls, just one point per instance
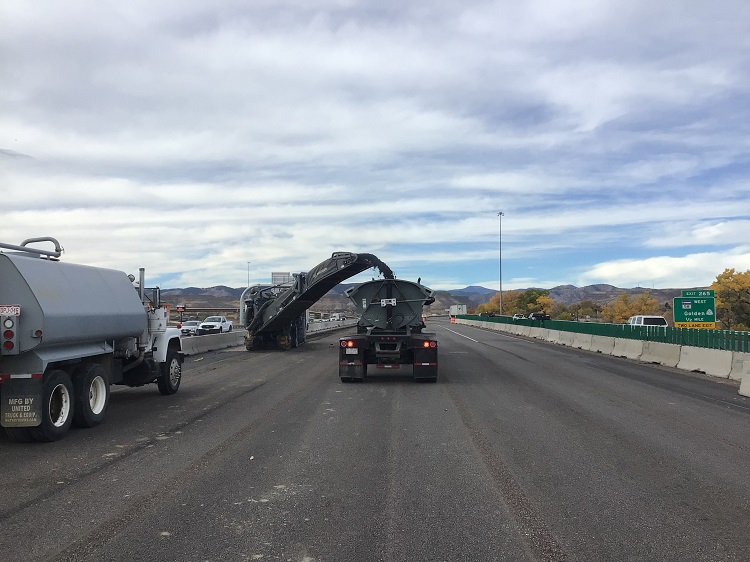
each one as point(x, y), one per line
point(500, 216)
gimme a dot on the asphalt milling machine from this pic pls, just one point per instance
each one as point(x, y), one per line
point(390, 331)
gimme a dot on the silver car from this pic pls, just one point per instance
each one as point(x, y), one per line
point(189, 328)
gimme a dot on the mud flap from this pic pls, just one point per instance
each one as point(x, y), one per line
point(425, 364)
point(352, 371)
point(21, 402)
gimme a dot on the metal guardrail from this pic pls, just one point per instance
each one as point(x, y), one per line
point(728, 340)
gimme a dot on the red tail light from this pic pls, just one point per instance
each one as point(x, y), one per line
point(9, 334)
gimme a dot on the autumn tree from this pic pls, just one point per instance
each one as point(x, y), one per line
point(560, 312)
point(518, 302)
point(542, 303)
point(587, 308)
point(511, 302)
point(623, 307)
point(732, 290)
point(527, 300)
point(492, 305)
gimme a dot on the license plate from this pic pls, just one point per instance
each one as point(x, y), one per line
point(352, 351)
point(10, 310)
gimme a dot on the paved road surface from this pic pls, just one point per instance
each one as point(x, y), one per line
point(521, 451)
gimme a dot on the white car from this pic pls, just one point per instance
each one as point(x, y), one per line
point(214, 325)
point(644, 320)
point(518, 316)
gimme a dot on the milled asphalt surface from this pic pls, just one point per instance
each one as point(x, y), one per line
point(521, 451)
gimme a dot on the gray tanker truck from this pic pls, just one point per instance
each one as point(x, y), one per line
point(69, 332)
point(390, 331)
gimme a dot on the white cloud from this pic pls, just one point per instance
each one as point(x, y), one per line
point(712, 233)
point(694, 270)
point(192, 138)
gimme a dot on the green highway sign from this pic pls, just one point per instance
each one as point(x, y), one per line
point(690, 312)
point(698, 293)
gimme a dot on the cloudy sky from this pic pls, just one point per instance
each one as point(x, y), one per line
point(193, 137)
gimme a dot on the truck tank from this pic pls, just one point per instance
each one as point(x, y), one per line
point(390, 304)
point(69, 303)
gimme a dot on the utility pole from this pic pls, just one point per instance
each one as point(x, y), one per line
point(500, 216)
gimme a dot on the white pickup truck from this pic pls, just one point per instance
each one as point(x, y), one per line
point(214, 325)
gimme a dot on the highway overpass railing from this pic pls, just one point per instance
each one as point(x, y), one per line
point(728, 340)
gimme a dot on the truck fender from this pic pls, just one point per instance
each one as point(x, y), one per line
point(164, 342)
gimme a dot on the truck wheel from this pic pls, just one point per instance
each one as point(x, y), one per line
point(170, 375)
point(283, 342)
point(91, 384)
point(57, 407)
point(230, 329)
point(19, 434)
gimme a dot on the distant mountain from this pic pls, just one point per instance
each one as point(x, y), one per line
point(472, 289)
point(605, 294)
point(334, 301)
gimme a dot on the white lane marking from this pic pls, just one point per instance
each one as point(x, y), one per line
point(463, 336)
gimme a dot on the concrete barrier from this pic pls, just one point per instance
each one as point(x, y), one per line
point(536, 333)
point(715, 362)
point(630, 349)
point(330, 326)
point(667, 354)
point(602, 344)
point(582, 341)
point(566, 338)
point(740, 366)
point(211, 342)
point(745, 386)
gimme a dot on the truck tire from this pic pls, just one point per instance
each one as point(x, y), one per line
point(57, 407)
point(91, 384)
point(230, 329)
point(170, 374)
point(283, 342)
